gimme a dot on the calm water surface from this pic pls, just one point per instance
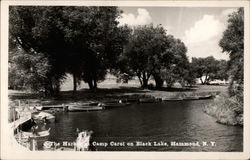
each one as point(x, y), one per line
point(166, 122)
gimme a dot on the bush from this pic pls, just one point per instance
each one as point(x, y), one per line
point(227, 110)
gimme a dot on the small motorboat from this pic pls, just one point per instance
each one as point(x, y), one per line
point(41, 117)
point(40, 134)
point(90, 103)
point(39, 108)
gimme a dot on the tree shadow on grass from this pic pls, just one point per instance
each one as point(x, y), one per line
point(79, 95)
point(185, 89)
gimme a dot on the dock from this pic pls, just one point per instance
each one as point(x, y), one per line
point(45, 107)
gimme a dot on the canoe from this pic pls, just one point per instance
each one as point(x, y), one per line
point(84, 108)
point(205, 97)
point(190, 98)
point(147, 100)
point(172, 99)
point(132, 100)
point(115, 105)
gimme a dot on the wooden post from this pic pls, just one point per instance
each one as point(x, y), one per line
point(33, 145)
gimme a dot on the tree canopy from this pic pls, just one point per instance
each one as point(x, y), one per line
point(145, 51)
point(83, 41)
point(232, 42)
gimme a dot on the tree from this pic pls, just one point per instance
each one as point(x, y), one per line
point(179, 63)
point(222, 72)
point(92, 33)
point(35, 30)
point(173, 64)
point(164, 60)
point(205, 68)
point(232, 43)
point(145, 45)
point(83, 41)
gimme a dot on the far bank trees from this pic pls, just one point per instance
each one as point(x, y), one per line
point(152, 53)
point(208, 69)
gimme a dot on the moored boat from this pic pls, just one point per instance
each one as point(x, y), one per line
point(172, 99)
point(190, 98)
point(114, 105)
point(91, 103)
point(147, 100)
point(205, 97)
point(41, 117)
point(36, 135)
point(84, 108)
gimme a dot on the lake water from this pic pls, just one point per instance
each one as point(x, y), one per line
point(150, 124)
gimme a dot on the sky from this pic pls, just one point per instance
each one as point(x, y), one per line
point(200, 28)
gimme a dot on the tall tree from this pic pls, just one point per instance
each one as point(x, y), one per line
point(176, 69)
point(36, 30)
point(205, 68)
point(145, 46)
point(232, 43)
point(83, 41)
point(96, 40)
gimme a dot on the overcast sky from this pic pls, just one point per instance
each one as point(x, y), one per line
point(199, 28)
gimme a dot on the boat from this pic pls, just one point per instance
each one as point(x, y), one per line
point(37, 135)
point(84, 108)
point(114, 105)
point(132, 100)
point(41, 117)
point(190, 98)
point(205, 97)
point(172, 99)
point(147, 100)
point(39, 108)
point(91, 103)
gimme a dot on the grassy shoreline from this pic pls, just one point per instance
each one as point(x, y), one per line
point(104, 94)
point(227, 110)
point(218, 108)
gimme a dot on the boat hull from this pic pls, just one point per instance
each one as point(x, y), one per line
point(84, 108)
point(115, 105)
point(145, 100)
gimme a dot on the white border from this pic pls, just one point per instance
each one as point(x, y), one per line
point(9, 153)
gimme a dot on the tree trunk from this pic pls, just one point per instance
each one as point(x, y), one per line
point(144, 80)
point(158, 81)
point(74, 83)
point(201, 81)
point(95, 83)
point(139, 77)
point(206, 79)
point(91, 87)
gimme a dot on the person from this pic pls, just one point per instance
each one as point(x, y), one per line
point(34, 130)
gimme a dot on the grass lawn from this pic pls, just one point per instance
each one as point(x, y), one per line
point(109, 89)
